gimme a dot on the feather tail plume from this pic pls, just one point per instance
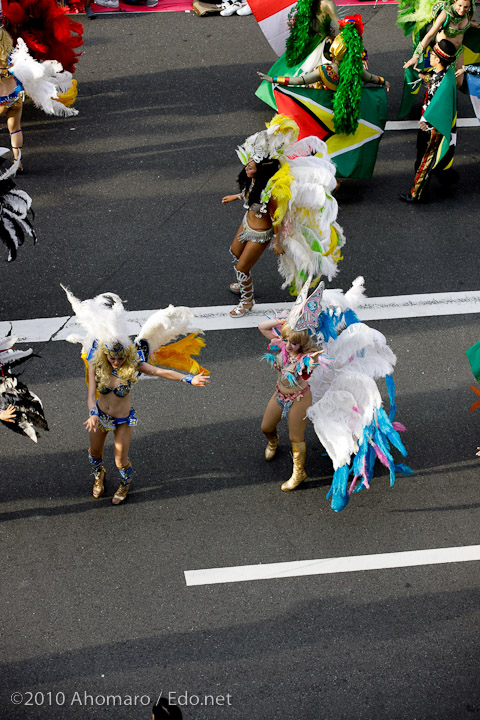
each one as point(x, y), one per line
point(34, 44)
point(41, 81)
point(178, 355)
point(282, 123)
point(68, 98)
point(338, 489)
point(356, 295)
point(16, 218)
point(307, 146)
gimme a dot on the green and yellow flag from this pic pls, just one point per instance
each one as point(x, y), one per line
point(354, 155)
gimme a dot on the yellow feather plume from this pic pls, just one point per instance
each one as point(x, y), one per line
point(285, 124)
point(281, 192)
point(68, 98)
point(177, 355)
point(334, 249)
point(84, 358)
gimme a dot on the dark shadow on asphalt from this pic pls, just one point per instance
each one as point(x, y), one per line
point(348, 623)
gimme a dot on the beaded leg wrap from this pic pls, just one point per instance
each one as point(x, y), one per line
point(126, 479)
point(99, 475)
point(272, 445)
point(235, 286)
point(246, 294)
point(299, 451)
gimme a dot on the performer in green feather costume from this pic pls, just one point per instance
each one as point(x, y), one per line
point(429, 21)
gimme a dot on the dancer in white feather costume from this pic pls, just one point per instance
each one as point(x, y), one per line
point(346, 406)
point(296, 202)
point(21, 75)
point(114, 363)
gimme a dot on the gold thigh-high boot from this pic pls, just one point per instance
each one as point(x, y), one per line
point(122, 492)
point(99, 475)
point(299, 450)
point(272, 445)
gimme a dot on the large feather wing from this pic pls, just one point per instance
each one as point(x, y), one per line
point(43, 82)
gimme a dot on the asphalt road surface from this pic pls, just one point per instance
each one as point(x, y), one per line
point(94, 599)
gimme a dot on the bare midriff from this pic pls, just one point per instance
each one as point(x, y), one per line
point(258, 223)
point(7, 85)
point(292, 389)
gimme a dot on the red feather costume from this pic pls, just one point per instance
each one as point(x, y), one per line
point(45, 28)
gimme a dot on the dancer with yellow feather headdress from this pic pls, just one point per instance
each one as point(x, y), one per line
point(292, 206)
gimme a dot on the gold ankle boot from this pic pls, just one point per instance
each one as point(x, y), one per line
point(121, 493)
point(299, 451)
point(272, 445)
point(98, 484)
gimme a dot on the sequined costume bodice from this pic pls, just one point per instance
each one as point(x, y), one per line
point(258, 209)
point(452, 32)
point(118, 390)
point(291, 371)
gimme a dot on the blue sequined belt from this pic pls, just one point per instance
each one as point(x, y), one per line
point(108, 422)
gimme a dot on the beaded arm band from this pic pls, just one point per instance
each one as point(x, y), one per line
point(187, 379)
point(419, 50)
point(472, 69)
point(281, 80)
point(94, 410)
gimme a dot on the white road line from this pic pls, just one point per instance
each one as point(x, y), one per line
point(413, 124)
point(217, 317)
point(328, 566)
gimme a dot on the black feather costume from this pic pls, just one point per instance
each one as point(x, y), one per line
point(16, 215)
point(29, 415)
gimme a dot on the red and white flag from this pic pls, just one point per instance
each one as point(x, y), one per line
point(272, 16)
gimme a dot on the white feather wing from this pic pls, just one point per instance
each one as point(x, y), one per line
point(341, 414)
point(166, 325)
point(360, 341)
point(42, 81)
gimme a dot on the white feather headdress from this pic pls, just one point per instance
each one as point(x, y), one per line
point(103, 317)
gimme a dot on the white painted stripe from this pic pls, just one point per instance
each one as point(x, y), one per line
point(218, 318)
point(413, 124)
point(328, 566)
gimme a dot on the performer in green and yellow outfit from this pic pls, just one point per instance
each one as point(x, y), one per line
point(436, 134)
point(432, 22)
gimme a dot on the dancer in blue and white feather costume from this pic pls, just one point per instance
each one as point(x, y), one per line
point(347, 408)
